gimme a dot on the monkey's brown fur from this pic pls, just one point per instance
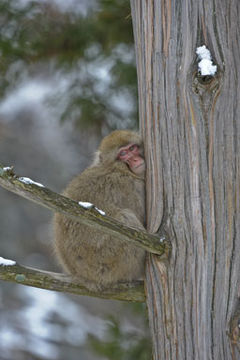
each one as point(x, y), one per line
point(96, 259)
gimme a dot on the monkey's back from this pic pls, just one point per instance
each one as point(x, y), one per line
point(95, 258)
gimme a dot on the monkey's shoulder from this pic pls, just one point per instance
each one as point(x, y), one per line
point(103, 182)
point(100, 174)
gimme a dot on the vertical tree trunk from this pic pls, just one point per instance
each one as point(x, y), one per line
point(191, 127)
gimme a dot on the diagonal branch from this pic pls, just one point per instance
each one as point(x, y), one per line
point(89, 216)
point(59, 282)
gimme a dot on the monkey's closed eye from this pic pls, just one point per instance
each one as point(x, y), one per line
point(133, 147)
point(123, 153)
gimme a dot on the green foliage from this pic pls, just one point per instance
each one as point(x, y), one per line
point(115, 17)
point(121, 344)
point(40, 35)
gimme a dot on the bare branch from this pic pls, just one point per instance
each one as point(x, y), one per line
point(59, 282)
point(43, 196)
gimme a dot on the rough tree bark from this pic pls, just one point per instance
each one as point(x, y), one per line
point(191, 128)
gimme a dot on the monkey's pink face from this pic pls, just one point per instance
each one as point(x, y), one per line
point(130, 155)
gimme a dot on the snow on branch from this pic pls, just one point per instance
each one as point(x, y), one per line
point(6, 262)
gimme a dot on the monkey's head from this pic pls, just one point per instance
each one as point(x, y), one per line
point(122, 146)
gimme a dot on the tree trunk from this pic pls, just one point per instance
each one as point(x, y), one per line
point(191, 127)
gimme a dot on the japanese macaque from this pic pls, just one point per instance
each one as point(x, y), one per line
point(114, 183)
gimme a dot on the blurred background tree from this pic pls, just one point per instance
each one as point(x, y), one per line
point(68, 77)
point(89, 54)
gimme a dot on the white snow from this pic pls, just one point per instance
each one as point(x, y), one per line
point(205, 65)
point(100, 211)
point(26, 180)
point(7, 168)
point(203, 53)
point(88, 205)
point(6, 262)
point(44, 303)
point(47, 325)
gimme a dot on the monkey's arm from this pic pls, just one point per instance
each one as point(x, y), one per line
point(41, 195)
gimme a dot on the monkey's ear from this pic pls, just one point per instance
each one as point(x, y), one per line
point(97, 158)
